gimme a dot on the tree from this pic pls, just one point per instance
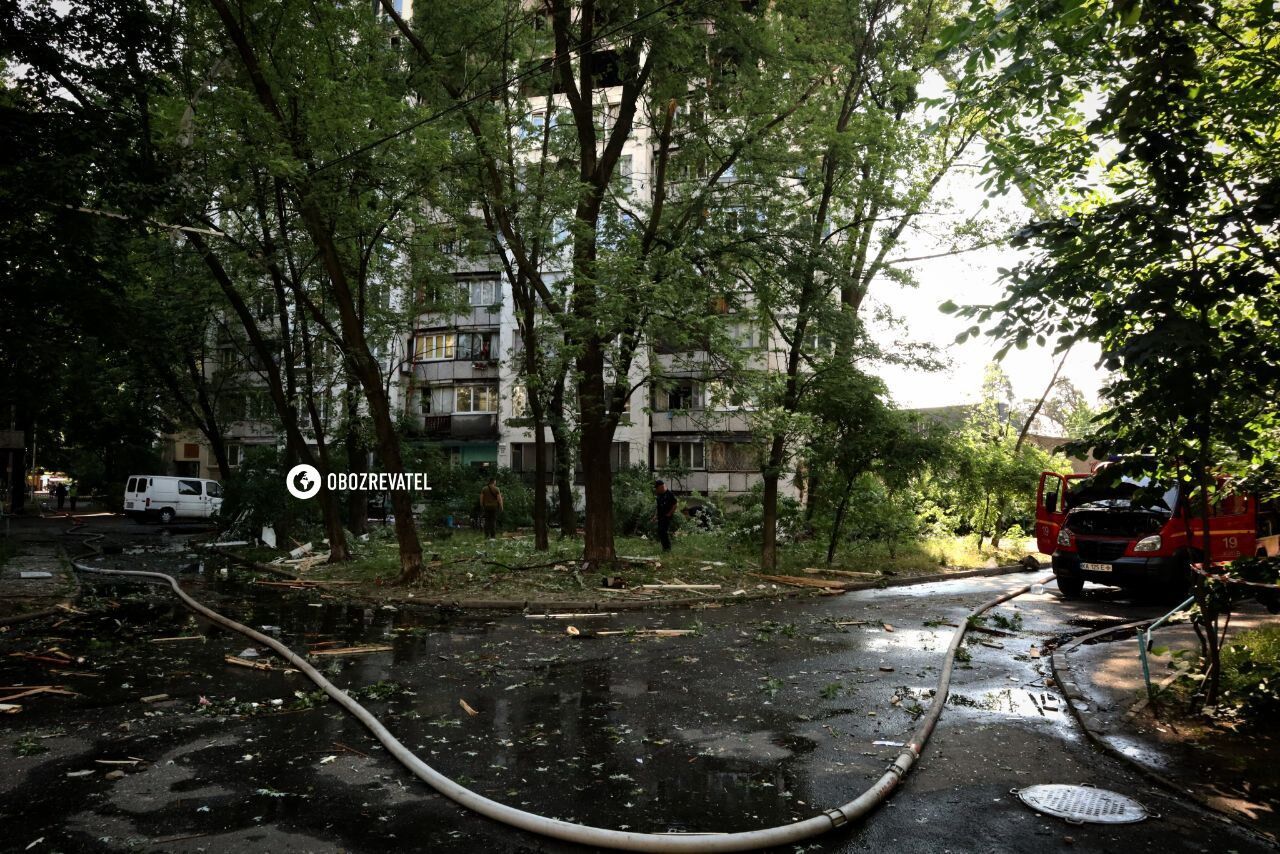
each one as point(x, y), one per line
point(864, 156)
point(79, 179)
point(305, 101)
point(1168, 257)
point(625, 264)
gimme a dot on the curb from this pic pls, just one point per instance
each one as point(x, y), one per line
point(1080, 706)
point(693, 602)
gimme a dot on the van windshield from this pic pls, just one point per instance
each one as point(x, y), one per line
point(213, 489)
point(1128, 492)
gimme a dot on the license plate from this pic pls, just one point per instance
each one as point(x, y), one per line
point(1096, 567)
point(128, 505)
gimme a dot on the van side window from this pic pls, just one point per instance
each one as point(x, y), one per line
point(130, 486)
point(188, 487)
point(213, 490)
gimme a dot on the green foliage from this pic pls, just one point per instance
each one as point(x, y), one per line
point(455, 490)
point(1251, 676)
point(743, 520)
point(257, 490)
point(29, 745)
point(984, 483)
point(634, 503)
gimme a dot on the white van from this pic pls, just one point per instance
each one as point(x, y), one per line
point(148, 497)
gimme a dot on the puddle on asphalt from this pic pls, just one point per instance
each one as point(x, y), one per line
point(584, 724)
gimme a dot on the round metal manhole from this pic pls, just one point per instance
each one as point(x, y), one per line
point(1083, 804)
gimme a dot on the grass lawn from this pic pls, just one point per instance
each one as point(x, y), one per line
point(465, 565)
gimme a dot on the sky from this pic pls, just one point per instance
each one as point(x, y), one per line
point(969, 278)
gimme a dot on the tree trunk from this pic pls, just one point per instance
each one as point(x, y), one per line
point(598, 549)
point(357, 462)
point(769, 513)
point(839, 520)
point(541, 542)
point(564, 476)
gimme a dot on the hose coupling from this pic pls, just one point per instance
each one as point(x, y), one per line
point(838, 819)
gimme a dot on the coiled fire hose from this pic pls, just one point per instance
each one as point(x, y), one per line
point(598, 836)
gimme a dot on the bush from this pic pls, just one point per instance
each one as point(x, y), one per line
point(455, 491)
point(634, 504)
point(1251, 675)
point(744, 522)
point(257, 490)
point(876, 516)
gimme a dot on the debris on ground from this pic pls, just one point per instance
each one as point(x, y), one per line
point(466, 707)
point(646, 587)
point(32, 690)
point(155, 698)
point(589, 616)
point(350, 650)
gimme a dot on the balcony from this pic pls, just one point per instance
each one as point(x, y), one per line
point(469, 426)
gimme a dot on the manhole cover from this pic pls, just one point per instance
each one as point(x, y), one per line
point(1083, 804)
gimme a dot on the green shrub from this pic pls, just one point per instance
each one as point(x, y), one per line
point(1251, 675)
point(257, 490)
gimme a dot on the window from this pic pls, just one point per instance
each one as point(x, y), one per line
point(519, 401)
point(189, 487)
point(722, 397)
point(130, 486)
point(746, 336)
point(687, 455)
point(481, 292)
point(477, 398)
point(731, 456)
point(433, 346)
point(623, 179)
point(235, 455)
point(455, 456)
point(681, 396)
point(477, 346)
point(190, 451)
point(213, 489)
point(437, 400)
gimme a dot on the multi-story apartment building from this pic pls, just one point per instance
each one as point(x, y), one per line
point(457, 385)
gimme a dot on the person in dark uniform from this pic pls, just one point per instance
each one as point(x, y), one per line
point(60, 492)
point(666, 510)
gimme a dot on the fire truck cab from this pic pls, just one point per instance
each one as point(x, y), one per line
point(1135, 533)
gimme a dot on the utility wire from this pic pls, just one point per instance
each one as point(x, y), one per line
point(496, 88)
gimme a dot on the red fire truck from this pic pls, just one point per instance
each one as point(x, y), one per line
point(1135, 533)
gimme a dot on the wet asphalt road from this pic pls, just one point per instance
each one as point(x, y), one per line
point(767, 714)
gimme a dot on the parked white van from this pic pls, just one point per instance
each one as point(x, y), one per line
point(148, 497)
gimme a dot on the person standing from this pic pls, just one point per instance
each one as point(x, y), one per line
point(73, 492)
point(666, 510)
point(60, 492)
point(491, 503)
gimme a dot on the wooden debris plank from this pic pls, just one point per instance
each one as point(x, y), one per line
point(798, 581)
point(843, 573)
point(677, 587)
point(590, 616)
point(244, 662)
point(176, 639)
point(655, 633)
point(351, 650)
